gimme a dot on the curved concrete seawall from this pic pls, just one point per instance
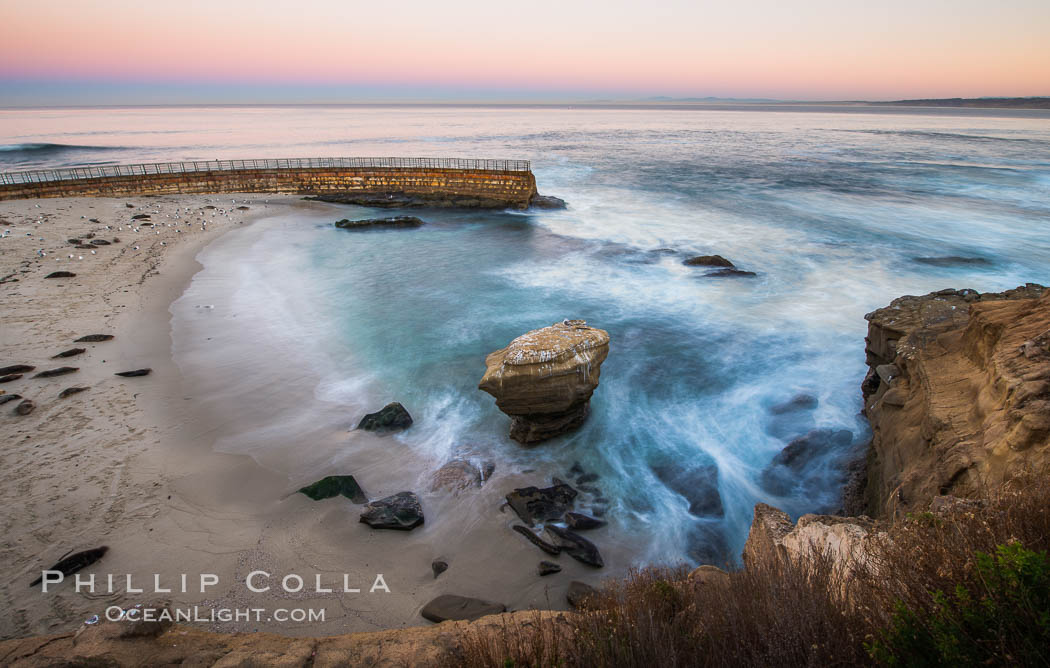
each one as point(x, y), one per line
point(480, 183)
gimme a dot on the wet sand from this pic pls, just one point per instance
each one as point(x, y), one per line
point(130, 462)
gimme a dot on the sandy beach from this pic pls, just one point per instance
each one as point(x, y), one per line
point(129, 462)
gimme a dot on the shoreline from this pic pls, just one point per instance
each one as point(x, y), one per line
point(131, 463)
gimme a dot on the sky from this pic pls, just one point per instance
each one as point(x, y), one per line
point(69, 52)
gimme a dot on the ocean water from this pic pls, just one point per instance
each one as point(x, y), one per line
point(311, 326)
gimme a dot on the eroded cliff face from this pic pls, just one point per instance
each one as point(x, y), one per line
point(958, 395)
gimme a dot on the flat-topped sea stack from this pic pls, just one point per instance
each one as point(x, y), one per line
point(545, 378)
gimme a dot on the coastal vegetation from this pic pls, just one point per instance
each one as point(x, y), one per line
point(967, 585)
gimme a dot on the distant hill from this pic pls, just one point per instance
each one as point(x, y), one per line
point(994, 102)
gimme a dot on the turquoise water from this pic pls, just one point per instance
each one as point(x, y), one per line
point(831, 210)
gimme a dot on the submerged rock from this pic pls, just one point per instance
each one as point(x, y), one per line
point(545, 378)
point(801, 463)
point(951, 261)
point(395, 221)
point(392, 417)
point(729, 273)
point(697, 483)
point(456, 476)
point(400, 511)
point(533, 504)
point(451, 606)
point(582, 522)
point(335, 485)
point(403, 200)
point(797, 403)
point(708, 261)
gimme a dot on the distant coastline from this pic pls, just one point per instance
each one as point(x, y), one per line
point(975, 102)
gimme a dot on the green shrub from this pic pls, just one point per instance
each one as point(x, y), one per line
point(1005, 621)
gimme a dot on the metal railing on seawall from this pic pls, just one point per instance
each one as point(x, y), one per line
point(143, 169)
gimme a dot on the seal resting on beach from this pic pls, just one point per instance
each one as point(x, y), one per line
point(74, 562)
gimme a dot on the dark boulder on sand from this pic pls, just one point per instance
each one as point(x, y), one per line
point(400, 511)
point(708, 261)
point(462, 608)
point(371, 223)
point(533, 504)
point(60, 274)
point(335, 485)
point(548, 568)
point(438, 567)
point(547, 202)
point(392, 417)
point(60, 371)
point(578, 547)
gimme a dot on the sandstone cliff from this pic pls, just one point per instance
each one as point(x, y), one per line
point(958, 395)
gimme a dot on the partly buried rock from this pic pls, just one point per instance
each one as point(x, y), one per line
point(400, 511)
point(533, 504)
point(134, 374)
point(547, 202)
point(708, 261)
point(372, 223)
point(61, 274)
point(548, 568)
point(545, 378)
point(392, 417)
point(60, 371)
point(450, 606)
point(579, 593)
point(438, 567)
point(536, 540)
point(335, 485)
point(578, 547)
point(458, 475)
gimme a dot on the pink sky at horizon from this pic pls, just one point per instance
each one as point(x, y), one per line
point(816, 50)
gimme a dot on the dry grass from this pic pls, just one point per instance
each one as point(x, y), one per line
point(780, 612)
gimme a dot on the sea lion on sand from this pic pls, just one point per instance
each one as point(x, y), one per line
point(74, 562)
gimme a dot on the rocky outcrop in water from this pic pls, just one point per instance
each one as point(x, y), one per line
point(545, 378)
point(957, 394)
point(389, 418)
point(401, 200)
point(379, 223)
point(547, 202)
